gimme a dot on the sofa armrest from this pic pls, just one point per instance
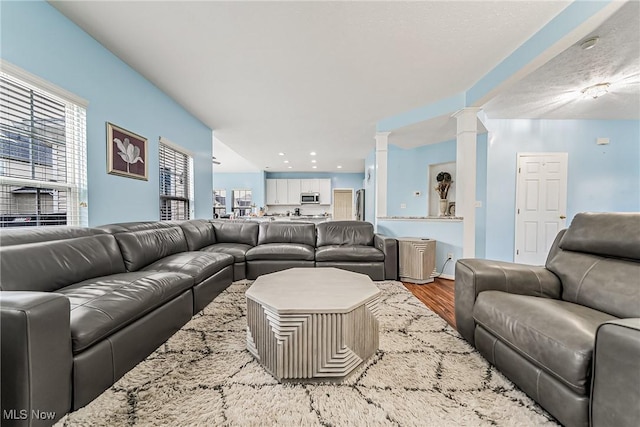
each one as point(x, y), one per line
point(36, 358)
point(615, 389)
point(389, 246)
point(476, 275)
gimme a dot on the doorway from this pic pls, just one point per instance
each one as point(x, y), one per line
point(541, 204)
point(342, 204)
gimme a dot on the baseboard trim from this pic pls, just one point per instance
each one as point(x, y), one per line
point(447, 276)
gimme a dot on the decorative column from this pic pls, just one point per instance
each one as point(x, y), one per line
point(382, 139)
point(466, 141)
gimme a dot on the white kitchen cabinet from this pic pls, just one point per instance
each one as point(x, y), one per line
point(272, 194)
point(287, 191)
point(310, 185)
point(277, 192)
point(325, 191)
point(293, 191)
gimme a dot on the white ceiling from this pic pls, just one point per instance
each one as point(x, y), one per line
point(297, 77)
point(554, 90)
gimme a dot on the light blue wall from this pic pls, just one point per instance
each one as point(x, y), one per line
point(253, 181)
point(338, 180)
point(408, 171)
point(37, 38)
point(600, 177)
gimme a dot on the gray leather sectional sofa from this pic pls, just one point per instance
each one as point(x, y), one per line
point(79, 307)
point(568, 334)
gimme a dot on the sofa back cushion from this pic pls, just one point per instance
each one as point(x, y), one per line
point(598, 262)
point(345, 233)
point(287, 232)
point(23, 235)
point(608, 234)
point(199, 233)
point(49, 265)
point(141, 248)
point(245, 232)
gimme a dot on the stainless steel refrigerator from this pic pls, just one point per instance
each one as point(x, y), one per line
point(360, 205)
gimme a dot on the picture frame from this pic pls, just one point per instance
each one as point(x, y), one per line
point(451, 209)
point(126, 153)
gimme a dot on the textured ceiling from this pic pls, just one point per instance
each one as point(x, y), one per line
point(297, 77)
point(554, 91)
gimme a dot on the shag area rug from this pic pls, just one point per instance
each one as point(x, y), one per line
point(424, 374)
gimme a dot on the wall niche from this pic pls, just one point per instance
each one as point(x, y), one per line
point(433, 199)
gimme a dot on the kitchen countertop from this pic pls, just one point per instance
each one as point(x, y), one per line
point(421, 218)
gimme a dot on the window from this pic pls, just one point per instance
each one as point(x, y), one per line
point(219, 203)
point(176, 182)
point(43, 166)
point(241, 202)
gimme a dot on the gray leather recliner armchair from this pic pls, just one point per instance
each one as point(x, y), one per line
point(568, 334)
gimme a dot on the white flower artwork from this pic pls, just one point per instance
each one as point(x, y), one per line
point(128, 152)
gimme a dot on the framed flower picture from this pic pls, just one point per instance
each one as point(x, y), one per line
point(126, 153)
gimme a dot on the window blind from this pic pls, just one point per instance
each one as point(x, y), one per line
point(43, 179)
point(176, 183)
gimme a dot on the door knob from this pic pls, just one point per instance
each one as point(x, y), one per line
point(562, 217)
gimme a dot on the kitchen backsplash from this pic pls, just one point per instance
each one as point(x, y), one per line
point(304, 209)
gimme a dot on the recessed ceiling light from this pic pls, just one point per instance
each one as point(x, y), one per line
point(313, 153)
point(313, 161)
point(589, 43)
point(290, 167)
point(339, 167)
point(314, 167)
point(281, 154)
point(596, 90)
point(286, 161)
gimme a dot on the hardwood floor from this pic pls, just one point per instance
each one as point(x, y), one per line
point(438, 296)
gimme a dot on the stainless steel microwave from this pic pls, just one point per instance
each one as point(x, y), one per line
point(308, 198)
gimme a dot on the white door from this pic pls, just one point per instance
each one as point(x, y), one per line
point(541, 204)
point(342, 204)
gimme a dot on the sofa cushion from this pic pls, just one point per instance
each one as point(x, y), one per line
point(104, 305)
point(281, 252)
point(24, 235)
point(345, 233)
point(238, 250)
point(287, 232)
point(51, 265)
point(199, 233)
point(245, 232)
point(199, 265)
point(348, 253)
point(555, 335)
point(607, 234)
point(141, 248)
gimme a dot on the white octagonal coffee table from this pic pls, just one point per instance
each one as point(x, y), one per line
point(310, 323)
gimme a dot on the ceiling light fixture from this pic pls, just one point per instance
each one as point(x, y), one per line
point(589, 43)
point(280, 154)
point(286, 161)
point(313, 161)
point(314, 167)
point(596, 90)
point(313, 153)
point(290, 167)
point(339, 167)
